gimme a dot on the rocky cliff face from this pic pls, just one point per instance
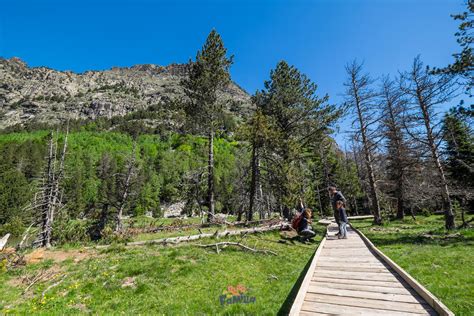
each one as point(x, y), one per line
point(45, 95)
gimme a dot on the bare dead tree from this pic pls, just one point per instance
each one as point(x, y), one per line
point(427, 91)
point(131, 173)
point(360, 99)
point(393, 104)
point(48, 200)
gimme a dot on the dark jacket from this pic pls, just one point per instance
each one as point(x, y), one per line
point(304, 224)
point(343, 215)
point(337, 197)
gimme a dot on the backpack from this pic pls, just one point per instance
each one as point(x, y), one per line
point(295, 222)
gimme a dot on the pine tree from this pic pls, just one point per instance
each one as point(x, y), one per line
point(257, 132)
point(459, 141)
point(463, 61)
point(106, 194)
point(208, 74)
point(298, 118)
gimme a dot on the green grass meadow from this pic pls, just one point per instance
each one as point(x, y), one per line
point(179, 280)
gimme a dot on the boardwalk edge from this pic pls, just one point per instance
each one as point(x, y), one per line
point(298, 303)
point(432, 300)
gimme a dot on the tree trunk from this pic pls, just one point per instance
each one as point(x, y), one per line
point(253, 182)
point(319, 201)
point(368, 163)
point(126, 190)
point(400, 199)
point(447, 204)
point(260, 197)
point(48, 191)
point(210, 177)
point(396, 139)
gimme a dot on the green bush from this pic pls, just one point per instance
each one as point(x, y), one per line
point(425, 212)
point(71, 231)
point(15, 227)
point(109, 236)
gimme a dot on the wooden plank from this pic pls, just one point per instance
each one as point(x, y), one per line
point(348, 241)
point(358, 264)
point(348, 258)
point(437, 305)
point(359, 282)
point(342, 244)
point(355, 273)
point(303, 313)
point(348, 246)
point(380, 269)
point(352, 277)
point(367, 288)
point(347, 251)
point(342, 251)
point(343, 259)
point(349, 310)
point(365, 294)
point(345, 267)
point(296, 307)
point(370, 303)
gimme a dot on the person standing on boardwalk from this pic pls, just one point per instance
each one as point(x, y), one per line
point(336, 196)
point(342, 220)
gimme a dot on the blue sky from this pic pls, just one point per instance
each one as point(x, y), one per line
point(319, 36)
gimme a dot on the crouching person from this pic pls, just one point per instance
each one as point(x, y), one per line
point(304, 228)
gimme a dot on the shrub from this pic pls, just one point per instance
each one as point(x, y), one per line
point(71, 231)
point(15, 227)
point(425, 212)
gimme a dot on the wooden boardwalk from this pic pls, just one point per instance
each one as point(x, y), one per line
point(346, 277)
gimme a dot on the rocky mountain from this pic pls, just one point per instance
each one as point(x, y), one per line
point(44, 95)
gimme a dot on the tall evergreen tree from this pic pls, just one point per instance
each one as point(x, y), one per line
point(258, 133)
point(208, 74)
point(298, 117)
point(463, 64)
point(459, 141)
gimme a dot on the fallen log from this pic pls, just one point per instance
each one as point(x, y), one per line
point(176, 240)
point(3, 241)
point(238, 244)
point(25, 235)
point(155, 229)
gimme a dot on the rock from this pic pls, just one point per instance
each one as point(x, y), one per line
point(220, 218)
point(43, 95)
point(129, 282)
point(174, 210)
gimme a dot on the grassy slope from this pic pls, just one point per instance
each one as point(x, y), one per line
point(180, 280)
point(443, 265)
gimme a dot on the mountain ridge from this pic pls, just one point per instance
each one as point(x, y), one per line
point(45, 95)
